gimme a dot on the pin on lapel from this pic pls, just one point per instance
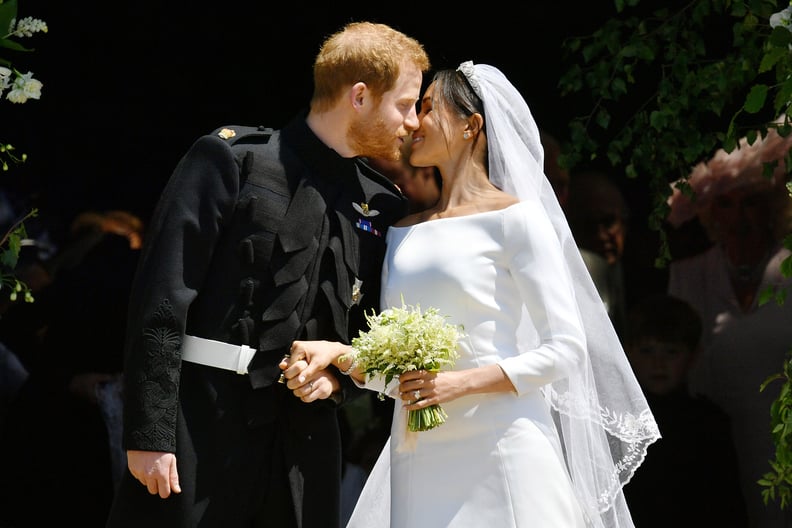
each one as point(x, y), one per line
point(356, 293)
point(363, 208)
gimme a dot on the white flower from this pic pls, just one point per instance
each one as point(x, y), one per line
point(5, 78)
point(404, 339)
point(27, 26)
point(782, 18)
point(25, 87)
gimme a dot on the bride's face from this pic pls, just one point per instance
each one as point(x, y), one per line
point(439, 136)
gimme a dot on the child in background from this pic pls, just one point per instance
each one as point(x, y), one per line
point(689, 477)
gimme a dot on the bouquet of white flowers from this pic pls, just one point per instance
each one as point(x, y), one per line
point(404, 339)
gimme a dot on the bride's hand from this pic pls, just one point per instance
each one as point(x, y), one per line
point(319, 387)
point(307, 358)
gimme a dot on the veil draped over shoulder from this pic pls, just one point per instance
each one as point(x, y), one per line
point(601, 413)
point(603, 417)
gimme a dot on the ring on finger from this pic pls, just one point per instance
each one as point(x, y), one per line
point(416, 395)
point(310, 386)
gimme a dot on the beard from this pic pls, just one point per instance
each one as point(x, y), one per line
point(371, 138)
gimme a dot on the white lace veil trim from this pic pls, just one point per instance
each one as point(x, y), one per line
point(602, 414)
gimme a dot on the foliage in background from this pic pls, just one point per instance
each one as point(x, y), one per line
point(700, 75)
point(18, 88)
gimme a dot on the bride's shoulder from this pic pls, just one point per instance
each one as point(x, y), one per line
point(505, 200)
point(499, 202)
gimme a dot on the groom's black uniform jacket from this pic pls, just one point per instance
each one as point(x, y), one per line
point(258, 239)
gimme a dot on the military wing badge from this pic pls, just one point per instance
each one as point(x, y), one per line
point(363, 209)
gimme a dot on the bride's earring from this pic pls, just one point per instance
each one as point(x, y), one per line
point(466, 135)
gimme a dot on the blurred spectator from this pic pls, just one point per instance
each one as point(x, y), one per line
point(689, 477)
point(55, 427)
point(746, 214)
point(599, 217)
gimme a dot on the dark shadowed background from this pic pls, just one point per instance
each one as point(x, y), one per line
point(128, 86)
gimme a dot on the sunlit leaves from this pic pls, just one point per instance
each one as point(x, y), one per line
point(667, 89)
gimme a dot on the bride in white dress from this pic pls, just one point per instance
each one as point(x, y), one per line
point(546, 421)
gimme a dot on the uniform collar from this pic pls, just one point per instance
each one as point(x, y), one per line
point(320, 158)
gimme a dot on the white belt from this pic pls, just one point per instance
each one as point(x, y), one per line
point(217, 354)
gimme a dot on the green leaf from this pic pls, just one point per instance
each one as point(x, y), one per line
point(783, 96)
point(658, 119)
point(10, 44)
point(766, 295)
point(618, 86)
point(8, 12)
point(786, 267)
point(756, 98)
point(780, 37)
point(9, 258)
point(603, 118)
point(772, 57)
point(646, 53)
point(629, 51)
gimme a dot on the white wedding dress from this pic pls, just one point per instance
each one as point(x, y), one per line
point(497, 461)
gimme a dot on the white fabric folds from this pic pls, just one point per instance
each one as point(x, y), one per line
point(604, 420)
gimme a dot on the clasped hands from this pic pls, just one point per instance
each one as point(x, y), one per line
point(305, 369)
point(307, 374)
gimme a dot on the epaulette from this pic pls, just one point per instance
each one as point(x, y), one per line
point(236, 134)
